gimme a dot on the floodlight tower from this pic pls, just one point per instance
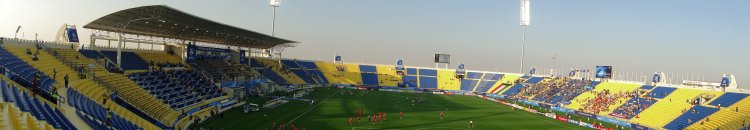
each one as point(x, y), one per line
point(525, 17)
point(274, 4)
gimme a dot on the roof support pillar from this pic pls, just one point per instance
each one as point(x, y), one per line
point(120, 43)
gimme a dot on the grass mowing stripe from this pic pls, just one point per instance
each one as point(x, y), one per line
point(313, 107)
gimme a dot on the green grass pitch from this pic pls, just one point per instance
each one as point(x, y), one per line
point(333, 109)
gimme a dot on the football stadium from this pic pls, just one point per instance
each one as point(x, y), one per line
point(164, 67)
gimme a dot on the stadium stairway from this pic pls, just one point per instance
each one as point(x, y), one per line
point(91, 89)
point(729, 118)
point(274, 65)
point(387, 76)
point(664, 111)
point(349, 75)
point(447, 80)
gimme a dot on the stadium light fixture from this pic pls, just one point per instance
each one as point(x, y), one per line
point(274, 4)
point(525, 20)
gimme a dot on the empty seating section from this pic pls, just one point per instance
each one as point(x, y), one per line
point(91, 54)
point(24, 73)
point(387, 76)
point(95, 115)
point(410, 81)
point(427, 82)
point(513, 90)
point(728, 99)
point(411, 71)
point(474, 75)
point(689, 117)
point(37, 108)
point(159, 58)
point(491, 76)
point(340, 73)
point(427, 72)
point(661, 92)
point(487, 82)
point(534, 80)
point(369, 74)
point(667, 109)
point(267, 72)
point(274, 66)
point(215, 68)
point(647, 87)
point(131, 61)
point(726, 118)
point(179, 88)
point(468, 84)
point(295, 68)
point(447, 80)
point(19, 120)
point(313, 71)
point(632, 107)
point(483, 86)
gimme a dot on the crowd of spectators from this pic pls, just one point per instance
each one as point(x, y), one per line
point(556, 90)
point(604, 99)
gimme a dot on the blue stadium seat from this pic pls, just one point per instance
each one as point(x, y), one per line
point(468, 84)
point(410, 81)
point(661, 92)
point(728, 99)
point(534, 80)
point(513, 90)
point(427, 82)
point(681, 122)
point(473, 75)
point(370, 79)
point(133, 61)
point(485, 85)
point(647, 87)
point(427, 72)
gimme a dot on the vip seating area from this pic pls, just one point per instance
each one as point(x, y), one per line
point(220, 70)
point(178, 88)
point(39, 109)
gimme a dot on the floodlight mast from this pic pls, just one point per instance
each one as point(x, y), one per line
point(274, 4)
point(525, 15)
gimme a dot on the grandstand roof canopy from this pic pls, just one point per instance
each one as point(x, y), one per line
point(167, 22)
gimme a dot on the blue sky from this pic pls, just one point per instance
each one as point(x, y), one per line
point(689, 37)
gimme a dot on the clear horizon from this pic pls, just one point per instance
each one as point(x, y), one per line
point(693, 38)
